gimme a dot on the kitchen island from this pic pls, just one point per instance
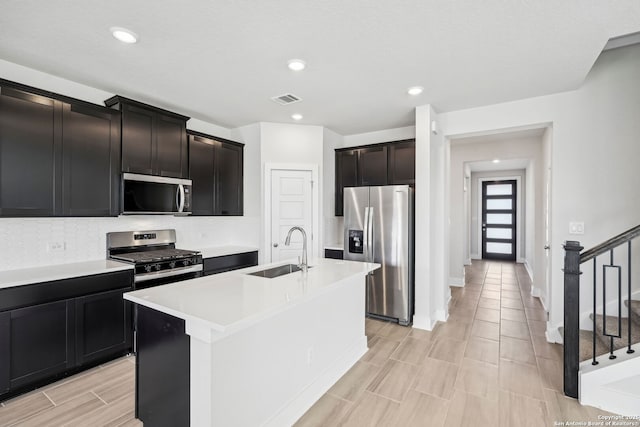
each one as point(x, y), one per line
point(235, 349)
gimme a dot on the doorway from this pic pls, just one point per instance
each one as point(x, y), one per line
point(291, 199)
point(499, 220)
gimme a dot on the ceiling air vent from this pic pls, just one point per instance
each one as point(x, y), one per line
point(286, 99)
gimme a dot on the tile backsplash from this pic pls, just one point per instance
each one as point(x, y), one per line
point(32, 242)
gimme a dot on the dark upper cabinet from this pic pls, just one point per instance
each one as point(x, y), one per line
point(90, 161)
point(372, 166)
point(346, 175)
point(30, 139)
point(216, 172)
point(229, 179)
point(402, 163)
point(154, 141)
point(380, 164)
point(58, 156)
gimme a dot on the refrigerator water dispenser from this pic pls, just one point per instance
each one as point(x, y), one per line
point(355, 241)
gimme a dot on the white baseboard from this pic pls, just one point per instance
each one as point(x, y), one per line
point(423, 322)
point(527, 267)
point(476, 256)
point(441, 315)
point(456, 281)
point(553, 334)
point(296, 407)
point(467, 261)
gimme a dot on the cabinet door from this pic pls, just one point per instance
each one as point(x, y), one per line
point(30, 134)
point(91, 162)
point(103, 326)
point(229, 179)
point(372, 165)
point(41, 342)
point(201, 172)
point(346, 175)
point(5, 353)
point(138, 148)
point(402, 163)
point(171, 147)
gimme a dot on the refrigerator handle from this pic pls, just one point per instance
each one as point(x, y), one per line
point(370, 233)
point(365, 235)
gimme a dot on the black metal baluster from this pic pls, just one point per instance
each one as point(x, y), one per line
point(629, 349)
point(595, 281)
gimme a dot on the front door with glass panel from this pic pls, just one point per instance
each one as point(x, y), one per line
point(499, 220)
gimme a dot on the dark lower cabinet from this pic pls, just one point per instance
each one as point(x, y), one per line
point(162, 369)
point(38, 342)
point(221, 264)
point(103, 326)
point(54, 329)
point(216, 171)
point(333, 254)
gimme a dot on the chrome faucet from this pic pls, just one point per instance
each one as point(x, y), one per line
point(303, 264)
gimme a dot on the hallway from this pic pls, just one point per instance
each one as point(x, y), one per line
point(488, 365)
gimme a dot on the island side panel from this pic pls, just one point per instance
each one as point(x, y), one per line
point(281, 365)
point(162, 369)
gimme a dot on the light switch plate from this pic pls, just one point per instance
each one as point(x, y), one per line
point(576, 228)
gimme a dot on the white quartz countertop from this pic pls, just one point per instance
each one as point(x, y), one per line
point(217, 251)
point(234, 300)
point(29, 276)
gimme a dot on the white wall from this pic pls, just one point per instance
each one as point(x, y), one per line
point(24, 241)
point(386, 135)
point(595, 150)
point(332, 224)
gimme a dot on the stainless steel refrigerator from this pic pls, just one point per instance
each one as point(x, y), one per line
point(378, 227)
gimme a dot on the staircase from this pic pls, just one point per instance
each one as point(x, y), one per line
point(602, 365)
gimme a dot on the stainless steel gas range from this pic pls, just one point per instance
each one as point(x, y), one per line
point(155, 257)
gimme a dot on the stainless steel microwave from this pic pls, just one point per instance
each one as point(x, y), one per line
point(155, 195)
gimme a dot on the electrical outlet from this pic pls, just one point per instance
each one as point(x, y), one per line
point(576, 228)
point(56, 246)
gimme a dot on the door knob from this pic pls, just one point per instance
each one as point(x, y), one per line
point(275, 245)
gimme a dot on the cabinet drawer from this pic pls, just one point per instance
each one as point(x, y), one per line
point(40, 293)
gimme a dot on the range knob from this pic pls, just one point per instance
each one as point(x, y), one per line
point(172, 264)
point(157, 267)
point(186, 261)
point(147, 268)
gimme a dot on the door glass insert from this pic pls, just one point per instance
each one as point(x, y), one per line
point(499, 248)
point(499, 219)
point(499, 189)
point(499, 233)
point(500, 204)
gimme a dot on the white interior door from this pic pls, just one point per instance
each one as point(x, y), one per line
point(291, 205)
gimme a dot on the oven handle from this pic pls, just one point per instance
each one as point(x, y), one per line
point(167, 273)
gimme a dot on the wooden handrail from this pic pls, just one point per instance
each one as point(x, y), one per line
point(610, 244)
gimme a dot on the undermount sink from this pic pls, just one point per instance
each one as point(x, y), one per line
point(278, 271)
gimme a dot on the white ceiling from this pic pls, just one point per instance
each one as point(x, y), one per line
point(222, 61)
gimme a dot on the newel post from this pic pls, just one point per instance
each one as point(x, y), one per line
point(571, 316)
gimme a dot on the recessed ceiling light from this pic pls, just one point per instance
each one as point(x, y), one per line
point(415, 90)
point(124, 35)
point(496, 160)
point(296, 116)
point(296, 64)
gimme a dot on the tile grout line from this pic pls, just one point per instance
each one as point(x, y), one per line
point(50, 399)
point(101, 399)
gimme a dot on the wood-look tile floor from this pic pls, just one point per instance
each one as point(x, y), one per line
point(102, 396)
point(488, 365)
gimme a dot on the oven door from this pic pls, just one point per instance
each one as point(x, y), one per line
point(164, 280)
point(147, 194)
